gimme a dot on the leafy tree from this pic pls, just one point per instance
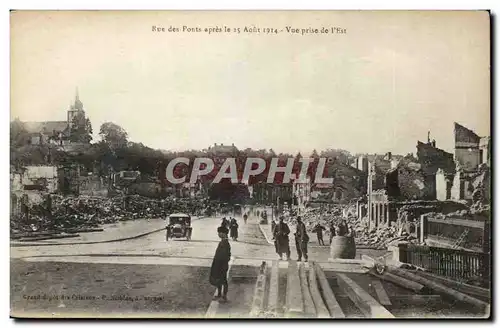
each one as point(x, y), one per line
point(113, 135)
point(32, 155)
point(19, 136)
point(227, 192)
point(81, 129)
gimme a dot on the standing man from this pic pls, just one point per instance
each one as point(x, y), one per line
point(225, 223)
point(343, 229)
point(282, 244)
point(301, 240)
point(332, 231)
point(233, 229)
point(220, 265)
point(318, 228)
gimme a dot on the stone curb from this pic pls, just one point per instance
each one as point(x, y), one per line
point(265, 235)
point(20, 244)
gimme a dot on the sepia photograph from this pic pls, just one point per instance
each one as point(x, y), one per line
point(175, 164)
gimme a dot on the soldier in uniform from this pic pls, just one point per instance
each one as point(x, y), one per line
point(318, 228)
point(332, 231)
point(301, 240)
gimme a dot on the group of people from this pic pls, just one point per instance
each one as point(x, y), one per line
point(281, 231)
point(232, 226)
point(340, 229)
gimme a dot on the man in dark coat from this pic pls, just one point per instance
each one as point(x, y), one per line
point(301, 240)
point(282, 245)
point(220, 265)
point(332, 231)
point(233, 229)
point(224, 223)
point(318, 228)
point(343, 229)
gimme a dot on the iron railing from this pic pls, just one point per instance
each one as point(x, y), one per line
point(460, 265)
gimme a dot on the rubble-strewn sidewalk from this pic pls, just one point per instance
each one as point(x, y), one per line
point(112, 232)
point(65, 217)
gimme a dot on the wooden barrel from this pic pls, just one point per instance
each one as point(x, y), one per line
point(343, 247)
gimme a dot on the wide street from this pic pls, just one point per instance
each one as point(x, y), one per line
point(150, 277)
point(142, 275)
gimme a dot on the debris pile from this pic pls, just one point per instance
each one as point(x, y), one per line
point(77, 214)
point(479, 208)
point(312, 216)
point(376, 238)
point(381, 237)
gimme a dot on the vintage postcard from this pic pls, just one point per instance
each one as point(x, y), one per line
point(250, 164)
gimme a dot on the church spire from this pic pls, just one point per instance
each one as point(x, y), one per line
point(78, 104)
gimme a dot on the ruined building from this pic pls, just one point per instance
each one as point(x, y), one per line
point(467, 148)
point(472, 157)
point(433, 159)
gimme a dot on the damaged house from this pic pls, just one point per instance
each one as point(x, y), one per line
point(348, 183)
point(406, 181)
point(471, 173)
point(433, 159)
point(42, 178)
point(472, 157)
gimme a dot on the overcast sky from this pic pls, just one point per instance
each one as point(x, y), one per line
point(380, 87)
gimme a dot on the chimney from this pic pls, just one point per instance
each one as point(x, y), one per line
point(389, 156)
point(434, 143)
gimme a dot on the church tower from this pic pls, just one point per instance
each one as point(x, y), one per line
point(75, 109)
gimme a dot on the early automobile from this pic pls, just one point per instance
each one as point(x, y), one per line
point(179, 226)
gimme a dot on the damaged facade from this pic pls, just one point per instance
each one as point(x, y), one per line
point(472, 155)
point(43, 178)
point(432, 182)
point(348, 183)
point(471, 168)
point(432, 159)
point(406, 181)
point(30, 186)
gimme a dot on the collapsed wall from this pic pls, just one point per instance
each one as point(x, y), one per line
point(408, 213)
